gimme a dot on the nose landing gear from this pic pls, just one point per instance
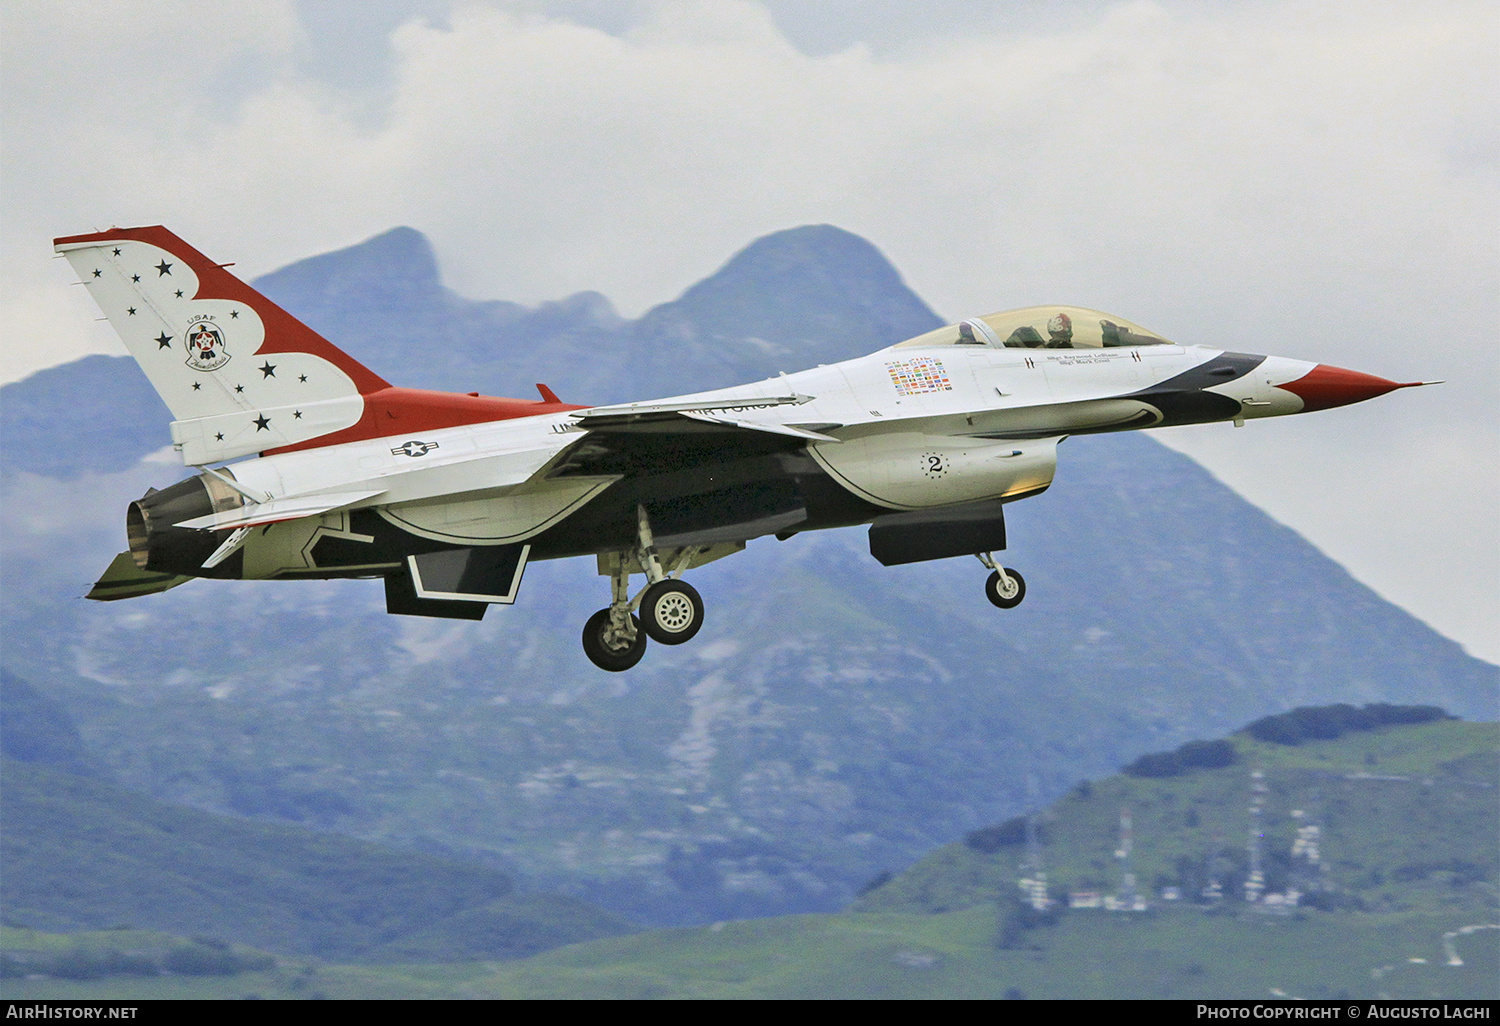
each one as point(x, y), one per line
point(671, 610)
point(1005, 587)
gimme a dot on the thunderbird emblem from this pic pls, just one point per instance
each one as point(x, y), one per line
point(205, 347)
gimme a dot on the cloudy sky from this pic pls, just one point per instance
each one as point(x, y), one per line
point(1314, 179)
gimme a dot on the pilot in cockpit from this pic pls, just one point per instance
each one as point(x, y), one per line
point(1060, 330)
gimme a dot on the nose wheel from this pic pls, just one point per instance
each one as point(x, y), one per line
point(1005, 587)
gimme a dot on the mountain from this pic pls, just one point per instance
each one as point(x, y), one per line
point(834, 718)
point(1399, 903)
point(836, 297)
point(83, 853)
point(36, 729)
point(789, 301)
point(96, 415)
point(1405, 819)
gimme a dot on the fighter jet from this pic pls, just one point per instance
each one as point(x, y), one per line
point(447, 497)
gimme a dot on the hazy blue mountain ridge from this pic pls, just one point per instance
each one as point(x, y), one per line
point(836, 298)
point(37, 729)
point(835, 718)
point(786, 302)
point(80, 852)
point(98, 414)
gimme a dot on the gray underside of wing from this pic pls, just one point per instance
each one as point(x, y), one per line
point(123, 580)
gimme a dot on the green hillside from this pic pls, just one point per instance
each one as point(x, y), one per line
point(1407, 816)
point(1406, 906)
point(1176, 954)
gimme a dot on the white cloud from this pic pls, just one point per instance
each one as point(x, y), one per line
point(1310, 179)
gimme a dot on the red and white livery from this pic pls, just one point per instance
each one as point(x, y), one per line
point(447, 497)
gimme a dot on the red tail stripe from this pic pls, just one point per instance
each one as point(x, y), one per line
point(409, 411)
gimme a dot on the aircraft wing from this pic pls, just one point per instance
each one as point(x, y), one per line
point(794, 430)
point(666, 421)
point(659, 437)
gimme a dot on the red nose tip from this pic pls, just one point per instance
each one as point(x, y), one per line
point(1325, 387)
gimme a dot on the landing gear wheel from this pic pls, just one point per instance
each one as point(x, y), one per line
point(1006, 595)
point(672, 612)
point(612, 654)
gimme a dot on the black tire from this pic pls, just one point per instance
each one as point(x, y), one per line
point(602, 655)
point(1005, 601)
point(672, 612)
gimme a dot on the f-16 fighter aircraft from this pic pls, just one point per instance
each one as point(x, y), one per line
point(446, 497)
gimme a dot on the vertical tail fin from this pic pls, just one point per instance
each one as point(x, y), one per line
point(240, 374)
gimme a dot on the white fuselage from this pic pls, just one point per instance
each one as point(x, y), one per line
point(915, 428)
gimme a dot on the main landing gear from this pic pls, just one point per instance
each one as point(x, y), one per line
point(1005, 587)
point(671, 611)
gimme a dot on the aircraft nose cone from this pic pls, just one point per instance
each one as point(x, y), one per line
point(1325, 387)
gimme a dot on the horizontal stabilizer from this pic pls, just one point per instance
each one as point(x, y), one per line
point(227, 435)
point(125, 580)
point(292, 508)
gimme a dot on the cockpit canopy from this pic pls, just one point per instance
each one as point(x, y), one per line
point(1041, 327)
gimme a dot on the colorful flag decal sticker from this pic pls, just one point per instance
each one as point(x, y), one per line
point(923, 374)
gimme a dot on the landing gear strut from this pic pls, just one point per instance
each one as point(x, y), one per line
point(1005, 587)
point(671, 610)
